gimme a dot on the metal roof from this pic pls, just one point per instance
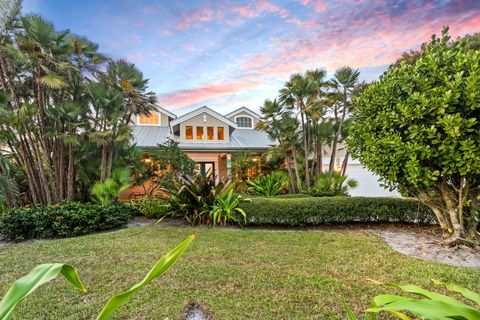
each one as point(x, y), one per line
point(243, 109)
point(151, 136)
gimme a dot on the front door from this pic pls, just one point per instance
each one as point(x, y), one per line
point(207, 168)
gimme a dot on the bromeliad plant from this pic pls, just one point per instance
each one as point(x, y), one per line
point(43, 273)
point(430, 305)
point(192, 198)
point(226, 209)
point(268, 185)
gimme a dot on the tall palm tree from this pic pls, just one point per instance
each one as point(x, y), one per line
point(279, 124)
point(297, 93)
point(345, 79)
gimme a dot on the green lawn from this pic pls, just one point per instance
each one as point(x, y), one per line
point(239, 274)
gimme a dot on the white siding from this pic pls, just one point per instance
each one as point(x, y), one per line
point(368, 185)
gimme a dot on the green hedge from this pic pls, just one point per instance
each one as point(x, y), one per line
point(294, 195)
point(316, 211)
point(63, 220)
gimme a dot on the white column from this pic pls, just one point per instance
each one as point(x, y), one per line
point(229, 165)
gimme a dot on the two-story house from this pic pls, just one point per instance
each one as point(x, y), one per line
point(205, 135)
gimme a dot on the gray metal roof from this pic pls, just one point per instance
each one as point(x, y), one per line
point(151, 136)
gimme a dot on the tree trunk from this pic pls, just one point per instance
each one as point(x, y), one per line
point(295, 165)
point(305, 150)
point(70, 174)
point(292, 185)
point(103, 164)
point(337, 134)
point(319, 157)
point(344, 164)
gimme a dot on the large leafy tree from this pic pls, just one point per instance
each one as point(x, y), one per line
point(418, 128)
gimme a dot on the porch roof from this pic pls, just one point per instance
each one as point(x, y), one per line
point(151, 136)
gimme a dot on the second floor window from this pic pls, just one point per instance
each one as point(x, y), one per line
point(189, 132)
point(199, 133)
point(220, 133)
point(210, 133)
point(244, 122)
point(153, 118)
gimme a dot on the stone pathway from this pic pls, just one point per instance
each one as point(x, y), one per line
point(427, 246)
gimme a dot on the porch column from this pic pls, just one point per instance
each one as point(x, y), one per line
point(229, 165)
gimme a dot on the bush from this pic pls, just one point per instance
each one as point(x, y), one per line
point(151, 208)
point(294, 195)
point(63, 220)
point(268, 185)
point(315, 211)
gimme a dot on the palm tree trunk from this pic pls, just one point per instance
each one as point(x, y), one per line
point(71, 173)
point(344, 164)
point(295, 165)
point(337, 134)
point(103, 164)
point(305, 150)
point(292, 186)
point(319, 157)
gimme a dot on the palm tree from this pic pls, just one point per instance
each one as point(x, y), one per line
point(279, 124)
point(298, 93)
point(345, 80)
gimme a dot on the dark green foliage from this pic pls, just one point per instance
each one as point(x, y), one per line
point(151, 207)
point(192, 198)
point(317, 211)
point(268, 185)
point(293, 195)
point(63, 220)
point(335, 185)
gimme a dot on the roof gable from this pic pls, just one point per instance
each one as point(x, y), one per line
point(165, 111)
point(199, 111)
point(243, 109)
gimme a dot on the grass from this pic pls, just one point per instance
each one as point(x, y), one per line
point(238, 274)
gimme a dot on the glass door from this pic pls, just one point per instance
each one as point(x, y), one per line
point(207, 168)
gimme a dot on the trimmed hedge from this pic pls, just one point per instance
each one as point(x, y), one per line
point(63, 220)
point(329, 210)
point(294, 195)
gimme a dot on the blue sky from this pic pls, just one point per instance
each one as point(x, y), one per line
point(228, 54)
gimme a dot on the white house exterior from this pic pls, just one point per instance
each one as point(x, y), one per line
point(211, 138)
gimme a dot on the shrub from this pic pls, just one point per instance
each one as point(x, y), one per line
point(151, 207)
point(336, 185)
point(316, 211)
point(192, 198)
point(226, 209)
point(63, 220)
point(268, 185)
point(293, 195)
point(105, 192)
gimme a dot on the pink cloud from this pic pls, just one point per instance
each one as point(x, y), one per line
point(186, 97)
point(196, 17)
point(245, 12)
point(267, 6)
point(318, 5)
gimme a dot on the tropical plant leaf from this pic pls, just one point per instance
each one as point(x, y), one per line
point(27, 284)
point(159, 268)
point(430, 309)
point(470, 295)
point(53, 82)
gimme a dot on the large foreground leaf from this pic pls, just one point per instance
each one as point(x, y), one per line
point(159, 268)
point(35, 278)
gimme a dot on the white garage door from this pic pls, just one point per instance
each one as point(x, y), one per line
point(368, 185)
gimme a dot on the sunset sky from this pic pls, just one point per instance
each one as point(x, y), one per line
point(228, 54)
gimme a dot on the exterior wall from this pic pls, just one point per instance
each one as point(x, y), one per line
point(198, 121)
point(368, 185)
point(243, 113)
point(164, 120)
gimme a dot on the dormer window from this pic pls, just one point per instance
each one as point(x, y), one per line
point(152, 119)
point(244, 122)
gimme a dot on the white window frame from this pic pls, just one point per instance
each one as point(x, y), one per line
point(148, 124)
point(244, 116)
